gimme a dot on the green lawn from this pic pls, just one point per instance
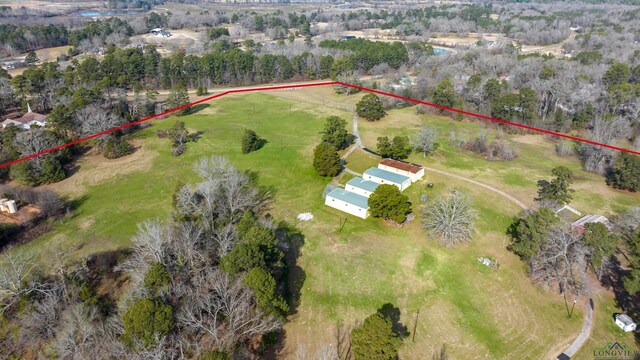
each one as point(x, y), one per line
point(354, 266)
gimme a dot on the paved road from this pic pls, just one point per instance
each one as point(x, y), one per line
point(583, 336)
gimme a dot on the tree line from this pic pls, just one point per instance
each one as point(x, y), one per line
point(210, 282)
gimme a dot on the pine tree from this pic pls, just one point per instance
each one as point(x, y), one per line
point(326, 160)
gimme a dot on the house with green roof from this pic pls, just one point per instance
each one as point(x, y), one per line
point(361, 186)
point(348, 202)
point(381, 176)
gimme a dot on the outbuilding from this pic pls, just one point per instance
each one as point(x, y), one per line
point(381, 176)
point(412, 171)
point(625, 322)
point(361, 186)
point(579, 224)
point(348, 202)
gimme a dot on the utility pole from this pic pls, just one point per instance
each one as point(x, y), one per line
point(415, 325)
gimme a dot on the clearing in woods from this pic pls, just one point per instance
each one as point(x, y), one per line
point(353, 270)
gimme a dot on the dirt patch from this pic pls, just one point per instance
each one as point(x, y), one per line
point(95, 168)
point(24, 215)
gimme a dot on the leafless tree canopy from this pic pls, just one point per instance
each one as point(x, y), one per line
point(561, 262)
point(450, 218)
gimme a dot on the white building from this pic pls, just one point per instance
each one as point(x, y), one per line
point(348, 202)
point(412, 171)
point(625, 323)
point(361, 187)
point(26, 121)
point(8, 206)
point(579, 224)
point(381, 176)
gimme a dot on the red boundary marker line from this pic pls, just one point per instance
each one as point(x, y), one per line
point(281, 87)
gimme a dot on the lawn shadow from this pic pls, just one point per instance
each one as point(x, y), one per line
point(261, 143)
point(612, 279)
point(291, 243)
point(194, 137)
point(197, 108)
point(392, 313)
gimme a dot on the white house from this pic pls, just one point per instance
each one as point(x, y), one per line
point(625, 323)
point(412, 171)
point(361, 187)
point(26, 121)
point(8, 206)
point(381, 176)
point(348, 202)
point(579, 224)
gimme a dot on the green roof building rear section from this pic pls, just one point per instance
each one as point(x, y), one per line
point(349, 197)
point(363, 184)
point(387, 175)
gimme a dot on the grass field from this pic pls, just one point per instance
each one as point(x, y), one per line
point(353, 269)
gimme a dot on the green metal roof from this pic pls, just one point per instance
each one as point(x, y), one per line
point(363, 184)
point(351, 198)
point(386, 175)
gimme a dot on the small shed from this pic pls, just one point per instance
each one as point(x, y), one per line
point(381, 176)
point(348, 202)
point(625, 322)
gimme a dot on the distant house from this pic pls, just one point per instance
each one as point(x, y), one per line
point(579, 224)
point(381, 176)
point(625, 322)
point(26, 121)
point(412, 171)
point(347, 38)
point(348, 202)
point(160, 32)
point(361, 187)
point(8, 206)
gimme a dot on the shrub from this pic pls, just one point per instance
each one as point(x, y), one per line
point(251, 141)
point(147, 319)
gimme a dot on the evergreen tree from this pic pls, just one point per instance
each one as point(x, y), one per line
point(625, 173)
point(52, 171)
point(179, 96)
point(157, 277)
point(389, 203)
point(264, 287)
point(326, 160)
point(557, 190)
point(602, 245)
point(251, 141)
point(31, 58)
point(370, 107)
point(375, 339)
point(146, 320)
point(444, 95)
point(527, 233)
point(398, 148)
point(335, 133)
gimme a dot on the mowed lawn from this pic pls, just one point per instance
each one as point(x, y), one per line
point(352, 266)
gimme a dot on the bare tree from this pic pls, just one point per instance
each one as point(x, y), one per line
point(561, 261)
point(450, 218)
point(16, 279)
point(425, 140)
point(224, 310)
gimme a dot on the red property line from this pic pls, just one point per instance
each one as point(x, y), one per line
point(281, 87)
